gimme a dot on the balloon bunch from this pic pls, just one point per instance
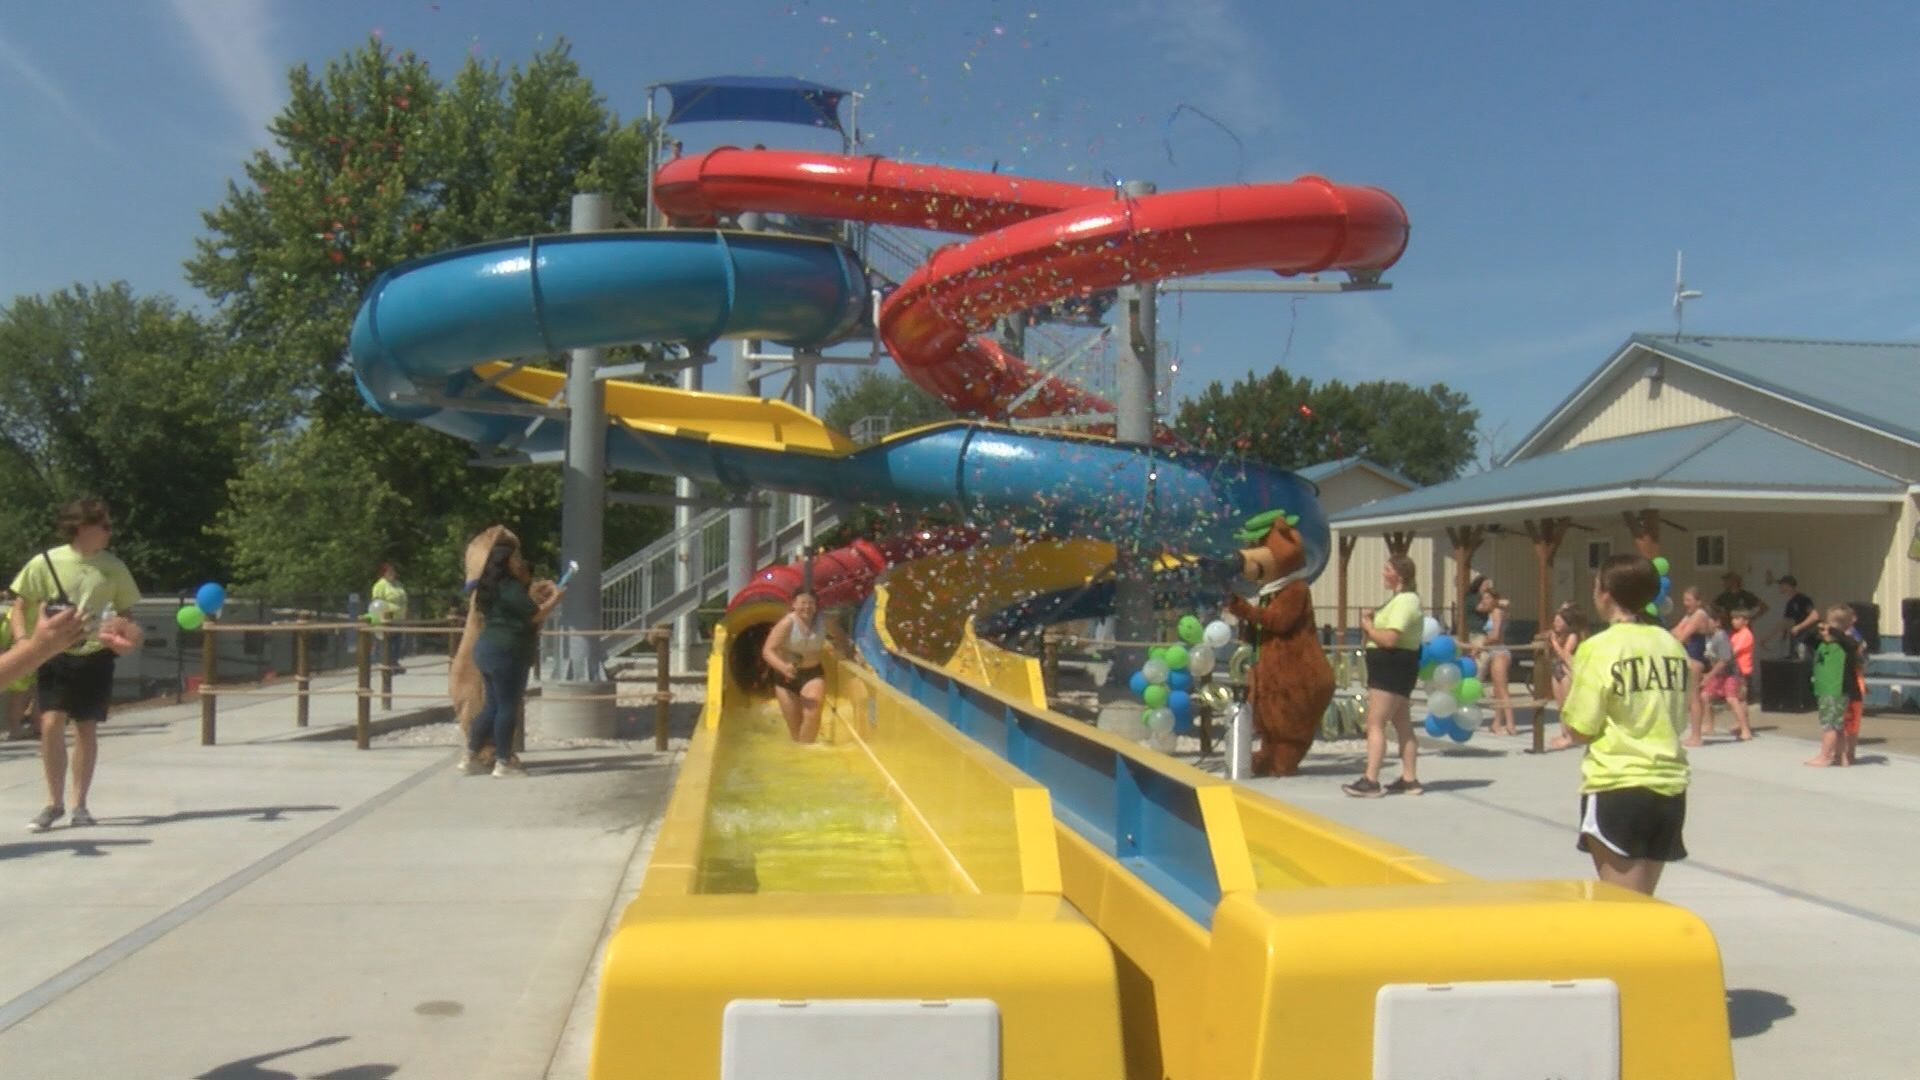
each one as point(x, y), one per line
point(1166, 681)
point(207, 603)
point(1663, 603)
point(1452, 688)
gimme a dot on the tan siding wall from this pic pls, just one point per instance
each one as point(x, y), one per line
point(1364, 590)
point(1354, 488)
point(1690, 396)
point(1628, 406)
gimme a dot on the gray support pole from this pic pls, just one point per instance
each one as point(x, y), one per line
point(740, 523)
point(583, 507)
point(687, 561)
point(1133, 593)
point(809, 374)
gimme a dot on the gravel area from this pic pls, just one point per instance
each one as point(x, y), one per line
point(633, 723)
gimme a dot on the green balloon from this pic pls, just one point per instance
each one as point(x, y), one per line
point(1155, 695)
point(1177, 657)
point(1426, 669)
point(1468, 691)
point(1661, 565)
point(190, 617)
point(1157, 652)
point(1190, 630)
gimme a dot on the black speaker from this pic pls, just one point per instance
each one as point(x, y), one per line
point(1910, 626)
point(1866, 615)
point(1786, 685)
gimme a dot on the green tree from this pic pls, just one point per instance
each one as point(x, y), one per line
point(873, 393)
point(133, 400)
point(1425, 434)
point(376, 161)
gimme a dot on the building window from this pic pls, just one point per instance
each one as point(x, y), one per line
point(1598, 551)
point(1710, 550)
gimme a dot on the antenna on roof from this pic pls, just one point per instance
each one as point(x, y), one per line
point(1681, 294)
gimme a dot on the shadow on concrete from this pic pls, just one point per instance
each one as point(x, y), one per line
point(609, 763)
point(1750, 1012)
point(82, 848)
point(1468, 752)
point(1454, 785)
point(256, 813)
point(1871, 759)
point(254, 1068)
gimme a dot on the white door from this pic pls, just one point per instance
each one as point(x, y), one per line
point(1761, 576)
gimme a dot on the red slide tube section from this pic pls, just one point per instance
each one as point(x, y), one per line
point(846, 575)
point(1040, 241)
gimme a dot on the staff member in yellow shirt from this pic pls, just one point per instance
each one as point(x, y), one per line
point(1393, 668)
point(392, 598)
point(1628, 703)
point(77, 684)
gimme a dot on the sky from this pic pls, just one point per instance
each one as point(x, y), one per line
point(1552, 158)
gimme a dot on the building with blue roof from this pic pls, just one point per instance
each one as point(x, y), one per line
point(1728, 455)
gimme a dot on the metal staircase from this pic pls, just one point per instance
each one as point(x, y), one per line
point(637, 593)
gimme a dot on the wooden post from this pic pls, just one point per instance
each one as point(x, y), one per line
point(1645, 529)
point(662, 692)
point(1466, 540)
point(1346, 547)
point(1546, 534)
point(302, 675)
point(209, 661)
point(386, 670)
point(363, 702)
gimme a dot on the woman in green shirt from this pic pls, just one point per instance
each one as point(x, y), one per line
point(509, 636)
point(1393, 668)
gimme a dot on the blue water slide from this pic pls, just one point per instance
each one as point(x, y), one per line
point(424, 325)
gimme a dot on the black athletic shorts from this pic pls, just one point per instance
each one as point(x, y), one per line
point(80, 686)
point(801, 677)
point(1394, 670)
point(1634, 822)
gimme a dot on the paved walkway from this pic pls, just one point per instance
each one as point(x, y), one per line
point(268, 909)
point(1807, 876)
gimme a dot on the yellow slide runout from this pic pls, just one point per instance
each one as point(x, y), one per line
point(894, 865)
point(1331, 953)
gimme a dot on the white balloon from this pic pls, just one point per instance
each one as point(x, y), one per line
point(1430, 629)
point(1217, 634)
point(1441, 704)
point(1200, 662)
point(1469, 717)
point(1445, 676)
point(1160, 719)
point(1155, 671)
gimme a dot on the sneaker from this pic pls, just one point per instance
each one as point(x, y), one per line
point(82, 818)
point(1363, 788)
point(43, 821)
point(1404, 786)
point(509, 767)
point(471, 765)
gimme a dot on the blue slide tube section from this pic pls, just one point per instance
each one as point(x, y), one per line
point(425, 324)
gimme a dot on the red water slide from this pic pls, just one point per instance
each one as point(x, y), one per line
point(1037, 241)
point(845, 575)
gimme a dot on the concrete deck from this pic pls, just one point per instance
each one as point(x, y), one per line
point(274, 909)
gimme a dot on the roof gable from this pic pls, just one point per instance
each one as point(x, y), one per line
point(1825, 376)
point(1321, 472)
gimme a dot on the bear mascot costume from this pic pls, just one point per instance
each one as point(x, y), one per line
point(464, 685)
point(1291, 681)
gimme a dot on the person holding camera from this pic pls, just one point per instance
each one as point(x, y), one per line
point(76, 685)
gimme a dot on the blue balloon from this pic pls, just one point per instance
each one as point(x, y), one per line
point(1180, 680)
point(1442, 649)
point(1459, 734)
point(1179, 701)
point(1467, 667)
point(1437, 727)
point(1665, 584)
point(211, 598)
point(1183, 723)
point(1138, 684)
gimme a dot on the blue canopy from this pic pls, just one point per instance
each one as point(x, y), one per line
point(766, 99)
